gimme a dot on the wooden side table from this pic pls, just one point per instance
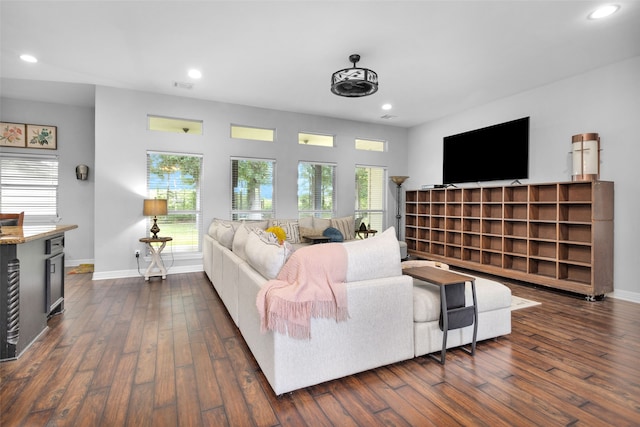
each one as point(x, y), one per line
point(364, 234)
point(454, 314)
point(156, 259)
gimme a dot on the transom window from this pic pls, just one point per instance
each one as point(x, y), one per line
point(370, 196)
point(176, 178)
point(370, 145)
point(29, 184)
point(252, 188)
point(252, 133)
point(315, 139)
point(316, 190)
point(175, 125)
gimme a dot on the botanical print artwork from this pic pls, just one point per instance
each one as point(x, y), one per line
point(41, 137)
point(12, 135)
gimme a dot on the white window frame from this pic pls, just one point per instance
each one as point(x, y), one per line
point(365, 215)
point(239, 214)
point(169, 220)
point(318, 213)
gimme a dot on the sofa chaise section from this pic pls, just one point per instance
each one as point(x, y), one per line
point(379, 332)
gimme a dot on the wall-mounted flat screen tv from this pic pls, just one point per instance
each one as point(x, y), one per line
point(497, 152)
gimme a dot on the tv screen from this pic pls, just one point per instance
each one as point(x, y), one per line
point(492, 153)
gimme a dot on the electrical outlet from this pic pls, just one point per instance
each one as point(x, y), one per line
point(137, 253)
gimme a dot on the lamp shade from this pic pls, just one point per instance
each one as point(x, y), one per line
point(153, 207)
point(398, 180)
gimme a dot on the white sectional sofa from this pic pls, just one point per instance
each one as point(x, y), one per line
point(381, 328)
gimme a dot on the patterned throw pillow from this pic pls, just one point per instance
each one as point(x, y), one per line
point(279, 233)
point(346, 225)
point(290, 227)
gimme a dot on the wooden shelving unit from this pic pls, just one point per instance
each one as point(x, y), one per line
point(558, 235)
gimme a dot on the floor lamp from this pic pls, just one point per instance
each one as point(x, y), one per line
point(398, 180)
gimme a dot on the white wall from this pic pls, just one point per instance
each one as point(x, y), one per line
point(75, 146)
point(122, 140)
point(606, 101)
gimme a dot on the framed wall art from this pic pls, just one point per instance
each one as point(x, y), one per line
point(42, 136)
point(12, 135)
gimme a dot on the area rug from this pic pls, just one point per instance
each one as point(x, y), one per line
point(82, 268)
point(517, 303)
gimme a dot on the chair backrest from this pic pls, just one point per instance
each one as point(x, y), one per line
point(18, 216)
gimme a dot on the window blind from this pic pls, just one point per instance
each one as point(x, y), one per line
point(370, 196)
point(316, 190)
point(30, 184)
point(252, 188)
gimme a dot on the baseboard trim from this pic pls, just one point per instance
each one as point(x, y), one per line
point(626, 296)
point(122, 274)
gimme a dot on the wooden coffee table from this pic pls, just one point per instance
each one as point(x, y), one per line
point(317, 239)
point(453, 314)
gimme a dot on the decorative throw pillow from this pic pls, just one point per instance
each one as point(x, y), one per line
point(265, 254)
point(333, 234)
point(346, 225)
point(321, 224)
point(304, 232)
point(290, 227)
point(279, 233)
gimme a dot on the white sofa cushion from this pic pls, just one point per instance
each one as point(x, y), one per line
point(375, 257)
point(225, 232)
point(265, 254)
point(240, 241)
point(426, 298)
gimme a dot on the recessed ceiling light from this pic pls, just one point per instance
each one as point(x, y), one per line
point(195, 74)
point(387, 107)
point(28, 58)
point(604, 11)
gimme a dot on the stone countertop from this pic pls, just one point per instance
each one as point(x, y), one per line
point(11, 235)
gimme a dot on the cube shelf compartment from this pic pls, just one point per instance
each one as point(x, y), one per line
point(558, 235)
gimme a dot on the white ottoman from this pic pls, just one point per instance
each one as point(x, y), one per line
point(494, 315)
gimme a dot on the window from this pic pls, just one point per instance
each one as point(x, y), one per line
point(168, 124)
point(176, 177)
point(370, 145)
point(315, 139)
point(29, 183)
point(252, 183)
point(253, 133)
point(370, 196)
point(316, 195)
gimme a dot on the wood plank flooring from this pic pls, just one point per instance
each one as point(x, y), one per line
point(165, 353)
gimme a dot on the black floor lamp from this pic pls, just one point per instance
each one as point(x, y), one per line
point(398, 180)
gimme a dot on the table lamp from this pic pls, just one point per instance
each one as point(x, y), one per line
point(154, 207)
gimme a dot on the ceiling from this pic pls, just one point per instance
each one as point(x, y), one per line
point(433, 58)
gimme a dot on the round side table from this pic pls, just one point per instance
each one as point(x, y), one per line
point(156, 268)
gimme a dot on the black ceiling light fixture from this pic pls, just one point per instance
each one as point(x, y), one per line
point(354, 82)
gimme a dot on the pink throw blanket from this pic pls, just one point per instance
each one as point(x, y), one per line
point(311, 283)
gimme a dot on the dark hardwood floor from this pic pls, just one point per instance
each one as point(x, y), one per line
point(165, 353)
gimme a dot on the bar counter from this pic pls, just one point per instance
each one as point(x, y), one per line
point(31, 283)
point(11, 235)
